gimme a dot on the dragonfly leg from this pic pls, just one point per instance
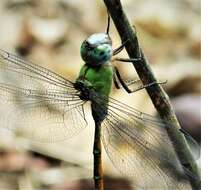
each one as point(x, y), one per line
point(148, 85)
point(125, 85)
point(120, 48)
point(130, 60)
point(115, 79)
point(117, 74)
point(108, 23)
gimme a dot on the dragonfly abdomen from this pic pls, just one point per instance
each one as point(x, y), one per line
point(99, 112)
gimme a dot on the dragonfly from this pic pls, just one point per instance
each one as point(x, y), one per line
point(47, 107)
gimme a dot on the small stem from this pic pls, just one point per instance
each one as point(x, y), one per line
point(98, 171)
point(156, 93)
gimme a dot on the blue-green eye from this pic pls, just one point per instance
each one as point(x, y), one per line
point(101, 53)
point(88, 46)
point(97, 49)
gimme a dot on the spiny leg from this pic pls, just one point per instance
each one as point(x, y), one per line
point(130, 60)
point(115, 79)
point(117, 74)
point(120, 48)
point(125, 85)
point(108, 23)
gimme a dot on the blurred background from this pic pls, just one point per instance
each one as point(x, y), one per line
point(50, 32)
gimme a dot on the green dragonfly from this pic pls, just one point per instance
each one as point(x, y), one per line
point(48, 107)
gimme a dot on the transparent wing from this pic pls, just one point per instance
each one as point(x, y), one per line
point(135, 85)
point(138, 146)
point(37, 102)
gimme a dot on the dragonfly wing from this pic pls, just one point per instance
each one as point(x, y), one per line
point(15, 70)
point(194, 146)
point(37, 102)
point(138, 146)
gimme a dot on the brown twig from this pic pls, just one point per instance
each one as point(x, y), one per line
point(156, 93)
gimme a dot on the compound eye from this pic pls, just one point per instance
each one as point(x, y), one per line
point(101, 53)
point(88, 46)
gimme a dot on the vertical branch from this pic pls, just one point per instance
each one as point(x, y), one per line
point(156, 93)
point(98, 171)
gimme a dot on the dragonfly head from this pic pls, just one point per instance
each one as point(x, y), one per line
point(97, 49)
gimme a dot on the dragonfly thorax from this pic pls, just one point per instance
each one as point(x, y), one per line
point(96, 49)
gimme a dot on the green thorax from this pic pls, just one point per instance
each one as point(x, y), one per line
point(98, 78)
point(97, 73)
